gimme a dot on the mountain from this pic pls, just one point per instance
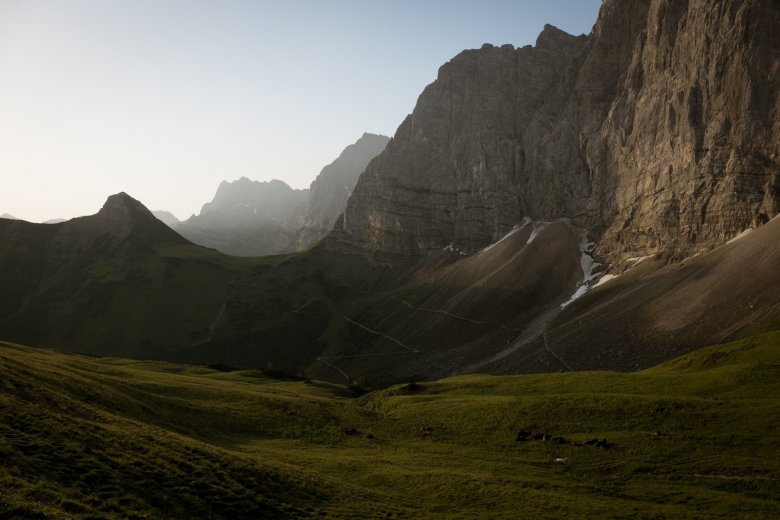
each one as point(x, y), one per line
point(54, 221)
point(659, 133)
point(122, 283)
point(8, 217)
point(520, 220)
point(329, 192)
point(249, 218)
point(252, 218)
point(119, 282)
point(166, 217)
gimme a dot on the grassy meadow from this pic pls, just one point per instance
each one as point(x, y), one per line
point(84, 437)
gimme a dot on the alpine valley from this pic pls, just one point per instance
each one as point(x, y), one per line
point(553, 292)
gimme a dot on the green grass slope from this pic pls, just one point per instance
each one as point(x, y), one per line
point(88, 437)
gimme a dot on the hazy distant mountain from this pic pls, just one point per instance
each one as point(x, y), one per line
point(9, 217)
point(249, 218)
point(54, 221)
point(330, 191)
point(166, 217)
point(252, 218)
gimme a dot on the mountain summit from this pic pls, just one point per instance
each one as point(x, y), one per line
point(122, 208)
point(122, 216)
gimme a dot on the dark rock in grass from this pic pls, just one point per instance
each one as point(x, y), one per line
point(412, 388)
point(604, 444)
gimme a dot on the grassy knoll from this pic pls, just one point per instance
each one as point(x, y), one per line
point(98, 437)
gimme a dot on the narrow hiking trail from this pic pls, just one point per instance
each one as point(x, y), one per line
point(212, 327)
point(376, 332)
point(326, 360)
point(455, 316)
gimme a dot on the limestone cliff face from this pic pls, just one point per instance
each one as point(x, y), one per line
point(329, 192)
point(455, 170)
point(690, 151)
point(659, 132)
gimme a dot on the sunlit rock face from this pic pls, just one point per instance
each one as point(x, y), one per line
point(330, 191)
point(658, 132)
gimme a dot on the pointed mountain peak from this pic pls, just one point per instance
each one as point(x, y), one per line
point(123, 216)
point(122, 207)
point(552, 37)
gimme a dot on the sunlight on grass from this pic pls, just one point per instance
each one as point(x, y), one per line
point(694, 437)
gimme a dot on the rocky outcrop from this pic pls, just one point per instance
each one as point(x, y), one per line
point(331, 189)
point(659, 133)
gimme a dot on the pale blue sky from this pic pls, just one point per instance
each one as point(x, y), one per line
point(164, 99)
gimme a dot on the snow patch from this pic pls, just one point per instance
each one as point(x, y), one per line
point(588, 266)
point(450, 247)
point(741, 235)
point(514, 230)
point(636, 260)
point(607, 277)
point(604, 279)
point(537, 229)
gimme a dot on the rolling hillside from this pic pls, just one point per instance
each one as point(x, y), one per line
point(85, 437)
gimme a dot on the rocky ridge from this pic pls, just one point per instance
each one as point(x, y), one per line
point(253, 218)
point(659, 133)
point(330, 191)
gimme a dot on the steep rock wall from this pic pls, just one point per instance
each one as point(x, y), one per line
point(658, 132)
point(330, 191)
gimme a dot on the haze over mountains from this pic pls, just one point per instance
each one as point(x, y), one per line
point(166, 217)
point(474, 238)
point(252, 218)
